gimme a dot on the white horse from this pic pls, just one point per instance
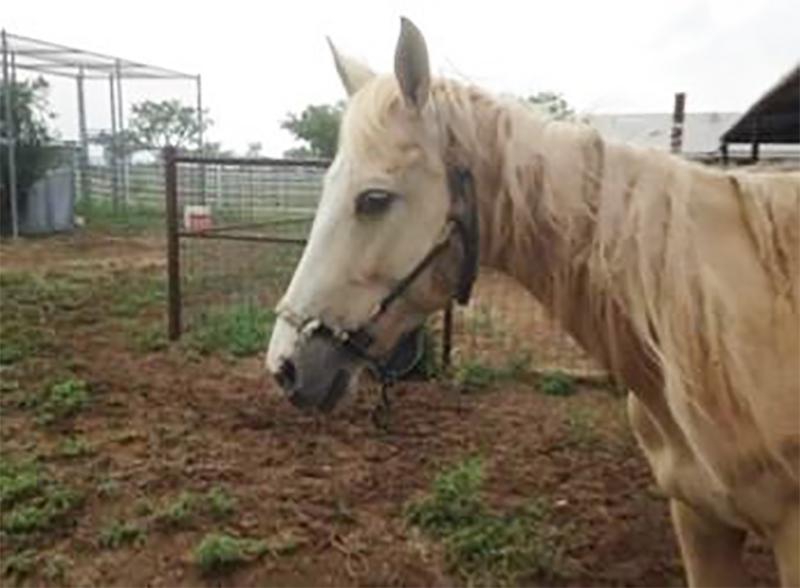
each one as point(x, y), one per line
point(683, 280)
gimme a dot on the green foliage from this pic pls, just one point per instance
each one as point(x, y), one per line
point(133, 218)
point(483, 546)
point(31, 500)
point(149, 339)
point(220, 504)
point(176, 514)
point(476, 375)
point(318, 128)
point(63, 400)
point(31, 113)
point(454, 501)
point(218, 552)
point(155, 125)
point(72, 447)
point(240, 330)
point(557, 383)
point(20, 565)
point(19, 480)
point(118, 533)
point(553, 104)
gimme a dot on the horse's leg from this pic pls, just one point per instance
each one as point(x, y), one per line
point(711, 551)
point(786, 544)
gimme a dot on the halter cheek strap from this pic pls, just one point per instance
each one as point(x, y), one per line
point(462, 222)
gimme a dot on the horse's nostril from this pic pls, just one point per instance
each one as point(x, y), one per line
point(286, 375)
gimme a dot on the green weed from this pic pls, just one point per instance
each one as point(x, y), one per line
point(219, 552)
point(483, 546)
point(63, 400)
point(557, 383)
point(118, 533)
point(240, 330)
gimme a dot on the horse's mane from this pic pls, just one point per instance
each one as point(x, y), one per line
point(618, 225)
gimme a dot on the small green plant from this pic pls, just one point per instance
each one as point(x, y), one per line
point(56, 566)
point(454, 501)
point(108, 487)
point(42, 511)
point(240, 330)
point(477, 375)
point(220, 504)
point(497, 549)
point(20, 565)
point(483, 546)
point(118, 533)
point(73, 447)
point(63, 400)
point(557, 383)
point(218, 552)
point(177, 513)
point(19, 480)
point(149, 339)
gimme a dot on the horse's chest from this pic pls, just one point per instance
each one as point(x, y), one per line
point(681, 474)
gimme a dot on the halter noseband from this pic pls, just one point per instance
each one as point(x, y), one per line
point(463, 221)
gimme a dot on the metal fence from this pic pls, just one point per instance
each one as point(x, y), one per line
point(245, 251)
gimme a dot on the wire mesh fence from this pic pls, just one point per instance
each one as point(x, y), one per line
point(240, 230)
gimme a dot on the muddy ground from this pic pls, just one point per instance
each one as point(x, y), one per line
point(326, 499)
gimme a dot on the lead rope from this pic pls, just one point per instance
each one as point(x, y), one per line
point(382, 411)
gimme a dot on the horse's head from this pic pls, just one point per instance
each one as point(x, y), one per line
point(394, 237)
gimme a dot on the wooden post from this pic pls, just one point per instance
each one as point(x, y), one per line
point(678, 114)
point(174, 324)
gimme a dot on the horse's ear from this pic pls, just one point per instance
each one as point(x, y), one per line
point(411, 65)
point(354, 74)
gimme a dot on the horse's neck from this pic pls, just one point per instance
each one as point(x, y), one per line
point(540, 189)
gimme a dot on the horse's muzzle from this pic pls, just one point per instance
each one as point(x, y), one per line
point(317, 376)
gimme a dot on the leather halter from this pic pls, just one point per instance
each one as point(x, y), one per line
point(462, 221)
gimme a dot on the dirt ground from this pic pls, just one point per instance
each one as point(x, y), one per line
point(161, 423)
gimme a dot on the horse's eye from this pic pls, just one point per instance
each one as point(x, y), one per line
point(373, 202)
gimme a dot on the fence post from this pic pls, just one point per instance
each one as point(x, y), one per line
point(173, 245)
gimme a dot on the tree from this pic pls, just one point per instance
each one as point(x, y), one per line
point(318, 127)
point(554, 104)
point(254, 149)
point(34, 154)
point(155, 125)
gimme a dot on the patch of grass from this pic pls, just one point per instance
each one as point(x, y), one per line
point(476, 375)
point(73, 447)
point(150, 339)
point(219, 552)
point(118, 533)
point(220, 504)
point(557, 383)
point(178, 513)
point(19, 480)
point(42, 511)
point(240, 330)
point(579, 427)
point(63, 400)
point(454, 500)
point(100, 214)
point(483, 546)
point(56, 566)
point(19, 566)
point(134, 294)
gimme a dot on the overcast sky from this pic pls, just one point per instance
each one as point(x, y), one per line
point(262, 59)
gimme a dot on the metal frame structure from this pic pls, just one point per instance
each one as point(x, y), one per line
point(46, 58)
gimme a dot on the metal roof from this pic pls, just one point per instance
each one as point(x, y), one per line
point(774, 118)
point(55, 59)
